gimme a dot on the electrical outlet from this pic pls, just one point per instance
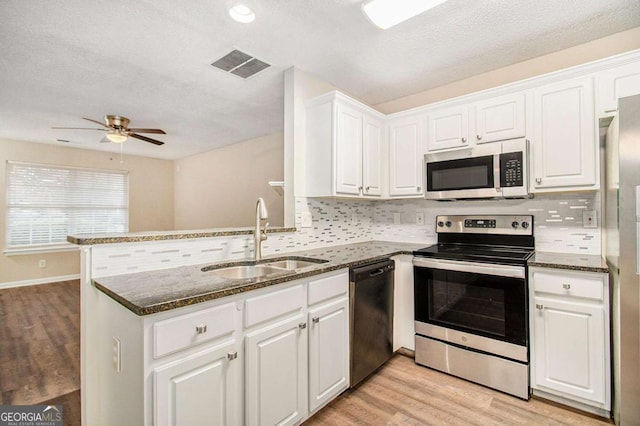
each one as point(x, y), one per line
point(354, 219)
point(420, 218)
point(117, 354)
point(589, 219)
point(306, 220)
point(396, 219)
point(42, 263)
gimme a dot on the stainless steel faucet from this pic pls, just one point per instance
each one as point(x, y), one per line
point(259, 235)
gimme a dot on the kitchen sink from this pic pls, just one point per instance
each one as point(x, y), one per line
point(262, 268)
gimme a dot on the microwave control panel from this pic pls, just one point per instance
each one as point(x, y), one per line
point(511, 169)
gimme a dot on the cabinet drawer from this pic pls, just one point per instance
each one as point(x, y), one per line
point(188, 330)
point(327, 288)
point(263, 308)
point(589, 287)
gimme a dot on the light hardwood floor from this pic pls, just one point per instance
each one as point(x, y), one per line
point(403, 393)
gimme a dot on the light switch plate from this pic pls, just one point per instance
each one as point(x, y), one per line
point(306, 220)
point(589, 219)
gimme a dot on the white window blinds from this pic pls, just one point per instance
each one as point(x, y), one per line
point(46, 203)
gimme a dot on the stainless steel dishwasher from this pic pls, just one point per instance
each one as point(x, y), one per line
point(371, 317)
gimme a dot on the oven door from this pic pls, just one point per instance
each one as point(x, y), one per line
point(466, 177)
point(487, 300)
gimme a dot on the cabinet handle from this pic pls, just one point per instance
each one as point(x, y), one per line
point(464, 140)
point(539, 306)
point(611, 110)
point(418, 188)
point(302, 325)
point(566, 286)
point(538, 180)
point(367, 188)
point(479, 137)
point(201, 329)
point(316, 320)
point(232, 355)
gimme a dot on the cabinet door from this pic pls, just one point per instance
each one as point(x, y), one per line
point(564, 141)
point(448, 128)
point(569, 348)
point(500, 118)
point(618, 83)
point(372, 156)
point(406, 155)
point(276, 373)
point(199, 390)
point(348, 150)
point(328, 352)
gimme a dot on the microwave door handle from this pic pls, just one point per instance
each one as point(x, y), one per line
point(472, 267)
point(496, 172)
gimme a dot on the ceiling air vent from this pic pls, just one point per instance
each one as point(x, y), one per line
point(240, 64)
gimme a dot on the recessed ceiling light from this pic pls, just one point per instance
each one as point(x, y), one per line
point(387, 13)
point(241, 13)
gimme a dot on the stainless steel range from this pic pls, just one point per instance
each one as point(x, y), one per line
point(471, 300)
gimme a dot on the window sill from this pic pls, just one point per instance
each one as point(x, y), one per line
point(40, 249)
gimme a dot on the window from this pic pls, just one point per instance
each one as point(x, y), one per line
point(45, 203)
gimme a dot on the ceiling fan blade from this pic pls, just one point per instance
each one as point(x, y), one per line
point(146, 139)
point(156, 131)
point(96, 121)
point(76, 128)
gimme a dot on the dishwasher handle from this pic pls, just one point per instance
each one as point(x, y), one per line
point(371, 270)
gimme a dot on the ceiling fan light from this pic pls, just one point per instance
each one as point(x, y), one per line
point(116, 136)
point(387, 13)
point(242, 13)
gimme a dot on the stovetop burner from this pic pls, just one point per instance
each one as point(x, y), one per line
point(504, 239)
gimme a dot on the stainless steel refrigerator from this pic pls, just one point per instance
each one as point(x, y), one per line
point(622, 248)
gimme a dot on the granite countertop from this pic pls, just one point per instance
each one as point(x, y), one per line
point(574, 262)
point(151, 292)
point(136, 237)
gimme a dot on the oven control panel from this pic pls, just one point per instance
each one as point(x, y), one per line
point(485, 224)
point(479, 223)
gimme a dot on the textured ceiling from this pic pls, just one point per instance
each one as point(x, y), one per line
point(149, 59)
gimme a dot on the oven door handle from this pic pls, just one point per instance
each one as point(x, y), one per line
point(472, 267)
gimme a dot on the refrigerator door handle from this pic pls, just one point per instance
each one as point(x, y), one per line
point(637, 229)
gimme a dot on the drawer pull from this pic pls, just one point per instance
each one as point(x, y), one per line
point(538, 180)
point(302, 325)
point(566, 286)
point(316, 320)
point(479, 137)
point(232, 355)
point(539, 306)
point(201, 329)
point(464, 140)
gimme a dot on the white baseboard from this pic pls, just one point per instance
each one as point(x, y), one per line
point(38, 281)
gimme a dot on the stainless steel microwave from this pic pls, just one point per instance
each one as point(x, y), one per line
point(493, 170)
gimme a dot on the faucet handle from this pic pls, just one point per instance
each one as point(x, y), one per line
point(264, 231)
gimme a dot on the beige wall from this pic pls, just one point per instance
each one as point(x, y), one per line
point(583, 53)
point(150, 201)
point(219, 188)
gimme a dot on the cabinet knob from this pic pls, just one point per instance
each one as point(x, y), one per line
point(479, 137)
point(538, 180)
point(201, 329)
point(232, 355)
point(539, 306)
point(566, 286)
point(464, 140)
point(367, 188)
point(302, 325)
point(316, 320)
point(359, 189)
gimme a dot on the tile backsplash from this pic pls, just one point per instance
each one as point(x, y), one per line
point(557, 226)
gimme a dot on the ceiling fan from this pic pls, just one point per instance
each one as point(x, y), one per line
point(118, 131)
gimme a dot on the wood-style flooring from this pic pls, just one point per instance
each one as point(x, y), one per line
point(40, 343)
point(403, 393)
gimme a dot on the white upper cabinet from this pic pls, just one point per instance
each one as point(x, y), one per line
point(344, 144)
point(500, 118)
point(564, 144)
point(616, 83)
point(448, 128)
point(406, 152)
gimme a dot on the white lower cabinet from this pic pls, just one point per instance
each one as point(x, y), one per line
point(570, 355)
point(178, 389)
point(275, 368)
point(271, 356)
